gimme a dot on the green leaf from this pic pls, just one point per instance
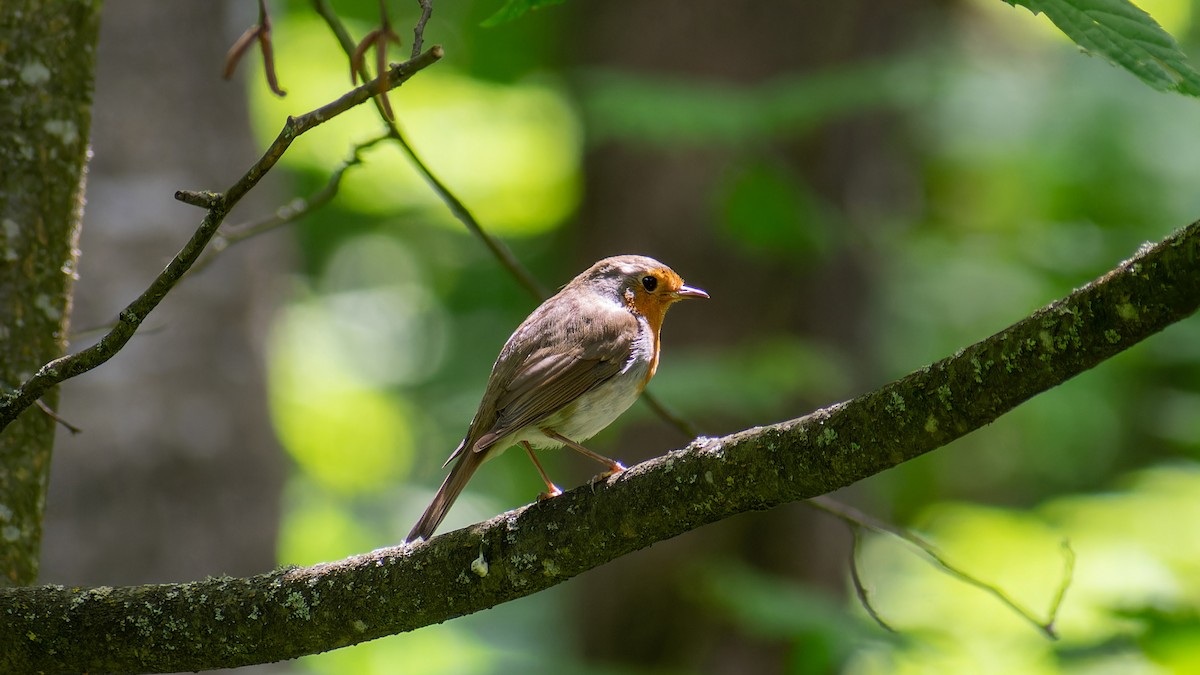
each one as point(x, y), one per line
point(514, 9)
point(1125, 35)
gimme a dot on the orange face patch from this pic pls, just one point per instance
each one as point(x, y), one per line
point(653, 294)
point(651, 297)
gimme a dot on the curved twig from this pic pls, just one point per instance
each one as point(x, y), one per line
point(218, 205)
point(457, 208)
point(419, 28)
point(499, 251)
point(857, 521)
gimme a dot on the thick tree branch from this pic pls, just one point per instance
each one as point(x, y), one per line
point(290, 612)
point(218, 205)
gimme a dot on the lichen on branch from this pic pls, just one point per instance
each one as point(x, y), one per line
point(229, 622)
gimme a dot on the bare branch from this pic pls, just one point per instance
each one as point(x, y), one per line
point(669, 416)
point(457, 208)
point(238, 50)
point(57, 418)
point(1067, 577)
point(377, 39)
point(419, 29)
point(860, 590)
point(268, 53)
point(290, 612)
point(857, 520)
point(202, 199)
point(460, 211)
point(288, 213)
point(218, 205)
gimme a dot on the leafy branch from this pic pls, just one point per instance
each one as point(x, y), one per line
point(228, 622)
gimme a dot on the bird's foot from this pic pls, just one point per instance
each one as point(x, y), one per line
point(613, 470)
point(553, 492)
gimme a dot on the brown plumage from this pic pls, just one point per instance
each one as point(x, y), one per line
point(571, 368)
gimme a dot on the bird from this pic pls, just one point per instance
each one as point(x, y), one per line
point(572, 367)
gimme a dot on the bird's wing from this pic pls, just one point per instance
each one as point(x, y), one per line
point(590, 346)
point(535, 375)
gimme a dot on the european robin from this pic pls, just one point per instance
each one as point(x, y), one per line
point(571, 368)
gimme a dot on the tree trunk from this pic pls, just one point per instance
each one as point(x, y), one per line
point(47, 65)
point(177, 474)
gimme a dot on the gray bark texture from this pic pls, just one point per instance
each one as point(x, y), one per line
point(225, 622)
point(47, 71)
point(176, 473)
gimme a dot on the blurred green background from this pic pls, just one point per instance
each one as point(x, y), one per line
point(863, 188)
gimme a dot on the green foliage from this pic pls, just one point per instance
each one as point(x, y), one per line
point(511, 150)
point(1125, 35)
point(1118, 30)
point(768, 210)
point(670, 111)
point(514, 9)
point(820, 633)
point(760, 379)
point(1132, 601)
point(1017, 187)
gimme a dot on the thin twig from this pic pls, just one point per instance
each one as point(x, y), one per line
point(1068, 576)
point(200, 199)
point(668, 415)
point(860, 590)
point(261, 33)
point(218, 206)
point(419, 29)
point(857, 519)
point(464, 215)
point(268, 52)
point(288, 213)
point(377, 39)
point(55, 416)
point(238, 50)
point(459, 210)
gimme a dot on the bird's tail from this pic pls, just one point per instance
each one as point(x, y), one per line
point(463, 469)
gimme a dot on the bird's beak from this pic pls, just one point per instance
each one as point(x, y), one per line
point(689, 292)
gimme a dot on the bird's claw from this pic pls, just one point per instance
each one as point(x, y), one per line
point(615, 469)
point(551, 494)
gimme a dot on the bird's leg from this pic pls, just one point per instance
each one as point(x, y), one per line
point(552, 490)
point(614, 467)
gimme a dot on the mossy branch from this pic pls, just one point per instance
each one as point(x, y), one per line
point(287, 613)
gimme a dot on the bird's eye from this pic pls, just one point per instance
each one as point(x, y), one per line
point(649, 283)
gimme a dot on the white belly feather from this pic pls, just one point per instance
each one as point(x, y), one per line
point(598, 407)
